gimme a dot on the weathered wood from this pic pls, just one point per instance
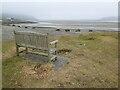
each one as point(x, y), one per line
point(54, 42)
point(17, 50)
point(48, 47)
point(35, 41)
point(26, 50)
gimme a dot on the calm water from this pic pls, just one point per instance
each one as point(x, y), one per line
point(76, 25)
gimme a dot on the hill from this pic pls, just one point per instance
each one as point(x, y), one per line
point(12, 18)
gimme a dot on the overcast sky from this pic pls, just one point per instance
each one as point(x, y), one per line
point(62, 10)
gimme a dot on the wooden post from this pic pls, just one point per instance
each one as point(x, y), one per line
point(17, 47)
point(17, 50)
point(26, 50)
point(56, 51)
point(48, 47)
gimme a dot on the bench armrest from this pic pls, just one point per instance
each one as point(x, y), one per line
point(53, 42)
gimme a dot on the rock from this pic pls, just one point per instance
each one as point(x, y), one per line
point(73, 83)
point(68, 62)
point(16, 82)
point(32, 72)
point(66, 53)
point(60, 85)
point(75, 56)
point(14, 73)
point(102, 80)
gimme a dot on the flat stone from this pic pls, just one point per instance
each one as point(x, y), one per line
point(57, 64)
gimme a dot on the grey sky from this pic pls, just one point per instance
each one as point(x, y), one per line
point(62, 10)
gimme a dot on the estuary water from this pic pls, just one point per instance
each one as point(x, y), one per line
point(76, 25)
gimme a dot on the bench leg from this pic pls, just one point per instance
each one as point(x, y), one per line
point(17, 50)
point(55, 58)
point(26, 50)
point(56, 51)
point(49, 57)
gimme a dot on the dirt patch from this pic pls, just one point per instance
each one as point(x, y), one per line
point(80, 55)
point(64, 51)
point(38, 71)
point(43, 70)
point(90, 38)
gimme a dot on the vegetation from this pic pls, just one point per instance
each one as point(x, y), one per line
point(93, 63)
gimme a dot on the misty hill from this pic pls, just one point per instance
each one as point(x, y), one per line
point(12, 18)
point(108, 19)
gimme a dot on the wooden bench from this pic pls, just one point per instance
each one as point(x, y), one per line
point(37, 41)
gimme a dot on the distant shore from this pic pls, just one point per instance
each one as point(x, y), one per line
point(73, 25)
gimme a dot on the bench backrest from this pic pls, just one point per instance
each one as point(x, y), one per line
point(32, 39)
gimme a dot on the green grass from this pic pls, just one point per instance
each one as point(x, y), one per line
point(10, 71)
point(6, 45)
point(93, 63)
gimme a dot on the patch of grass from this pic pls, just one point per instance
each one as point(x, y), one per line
point(12, 60)
point(8, 49)
point(64, 51)
point(98, 62)
point(105, 33)
point(6, 45)
point(87, 37)
point(11, 72)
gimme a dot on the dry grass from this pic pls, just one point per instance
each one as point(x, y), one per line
point(8, 49)
point(93, 63)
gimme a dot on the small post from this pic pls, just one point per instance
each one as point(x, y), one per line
point(26, 50)
point(48, 47)
point(17, 47)
point(56, 51)
point(17, 50)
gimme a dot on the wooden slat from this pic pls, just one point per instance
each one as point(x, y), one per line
point(53, 57)
point(32, 39)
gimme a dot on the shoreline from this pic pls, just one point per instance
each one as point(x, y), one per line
point(7, 31)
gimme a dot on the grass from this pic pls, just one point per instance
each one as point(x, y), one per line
point(11, 71)
point(8, 49)
point(6, 45)
point(93, 64)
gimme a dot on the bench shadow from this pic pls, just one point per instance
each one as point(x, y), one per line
point(57, 64)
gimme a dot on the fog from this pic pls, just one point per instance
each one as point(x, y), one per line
point(62, 10)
